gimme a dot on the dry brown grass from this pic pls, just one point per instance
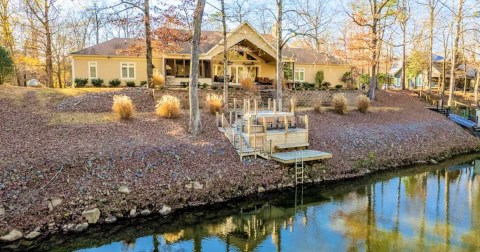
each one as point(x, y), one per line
point(248, 84)
point(215, 103)
point(317, 106)
point(363, 103)
point(158, 80)
point(123, 107)
point(339, 102)
point(168, 107)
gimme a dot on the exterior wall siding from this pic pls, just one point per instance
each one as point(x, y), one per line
point(332, 73)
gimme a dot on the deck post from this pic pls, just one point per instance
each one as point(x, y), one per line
point(216, 119)
point(292, 106)
point(255, 104)
point(306, 125)
point(255, 144)
point(221, 118)
point(269, 103)
point(264, 125)
point(234, 104)
point(230, 117)
point(248, 105)
point(274, 107)
point(271, 147)
point(249, 126)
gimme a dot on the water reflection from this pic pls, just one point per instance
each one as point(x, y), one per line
point(432, 210)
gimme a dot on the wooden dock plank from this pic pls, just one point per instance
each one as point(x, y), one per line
point(308, 155)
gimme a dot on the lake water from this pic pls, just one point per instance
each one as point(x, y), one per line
point(434, 208)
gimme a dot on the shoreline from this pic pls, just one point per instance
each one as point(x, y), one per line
point(225, 208)
point(151, 166)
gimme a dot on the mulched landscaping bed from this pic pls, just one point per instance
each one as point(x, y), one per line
point(161, 164)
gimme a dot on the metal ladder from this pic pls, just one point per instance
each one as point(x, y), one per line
point(299, 167)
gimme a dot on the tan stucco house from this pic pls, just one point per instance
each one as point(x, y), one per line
point(251, 55)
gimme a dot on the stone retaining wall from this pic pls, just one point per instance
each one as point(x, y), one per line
point(308, 98)
point(305, 98)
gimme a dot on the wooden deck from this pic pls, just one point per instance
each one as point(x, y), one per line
point(307, 155)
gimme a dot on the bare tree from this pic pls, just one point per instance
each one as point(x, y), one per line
point(280, 44)
point(403, 19)
point(238, 10)
point(370, 16)
point(225, 56)
point(195, 125)
point(45, 11)
point(458, 26)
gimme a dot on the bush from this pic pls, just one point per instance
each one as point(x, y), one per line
point(6, 65)
point(317, 107)
point(363, 103)
point(168, 107)
point(114, 83)
point(158, 80)
point(338, 86)
point(214, 102)
point(204, 85)
point(340, 103)
point(97, 82)
point(319, 78)
point(214, 87)
point(326, 84)
point(247, 84)
point(143, 83)
point(123, 107)
point(130, 83)
point(80, 82)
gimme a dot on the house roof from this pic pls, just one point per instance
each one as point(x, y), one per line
point(209, 39)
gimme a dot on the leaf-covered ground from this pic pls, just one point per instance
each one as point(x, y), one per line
point(57, 144)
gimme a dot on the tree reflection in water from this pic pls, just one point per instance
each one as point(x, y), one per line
point(435, 209)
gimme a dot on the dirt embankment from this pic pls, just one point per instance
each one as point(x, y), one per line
point(64, 154)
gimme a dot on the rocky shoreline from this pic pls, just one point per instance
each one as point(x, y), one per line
point(69, 177)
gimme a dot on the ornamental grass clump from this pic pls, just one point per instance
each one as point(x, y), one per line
point(247, 84)
point(340, 103)
point(123, 107)
point(214, 103)
point(168, 107)
point(158, 81)
point(363, 103)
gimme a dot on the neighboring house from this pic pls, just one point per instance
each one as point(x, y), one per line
point(421, 79)
point(251, 55)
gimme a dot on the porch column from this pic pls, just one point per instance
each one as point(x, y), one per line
point(293, 67)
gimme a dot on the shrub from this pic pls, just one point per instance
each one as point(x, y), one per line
point(80, 82)
point(97, 82)
point(168, 107)
point(184, 84)
point(326, 84)
point(123, 107)
point(214, 102)
point(247, 83)
point(317, 107)
point(340, 103)
point(319, 78)
point(363, 102)
point(364, 79)
point(338, 86)
point(143, 83)
point(114, 83)
point(204, 85)
point(6, 65)
point(158, 80)
point(130, 83)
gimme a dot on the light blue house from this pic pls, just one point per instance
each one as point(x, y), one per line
point(421, 79)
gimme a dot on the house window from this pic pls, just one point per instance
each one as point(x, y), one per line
point(300, 74)
point(128, 70)
point(92, 70)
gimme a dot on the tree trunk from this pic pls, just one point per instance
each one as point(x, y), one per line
point(225, 58)
point(454, 51)
point(48, 50)
point(279, 53)
point(148, 42)
point(404, 58)
point(195, 126)
point(430, 46)
point(476, 87)
point(373, 79)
